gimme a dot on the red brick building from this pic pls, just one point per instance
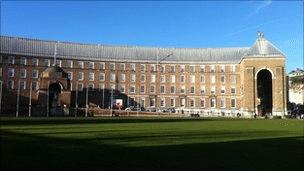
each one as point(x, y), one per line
point(46, 77)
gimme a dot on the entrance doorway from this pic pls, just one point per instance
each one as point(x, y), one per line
point(54, 103)
point(264, 88)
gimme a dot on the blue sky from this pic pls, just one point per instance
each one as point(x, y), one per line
point(161, 24)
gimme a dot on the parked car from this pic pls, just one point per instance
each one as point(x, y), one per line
point(194, 115)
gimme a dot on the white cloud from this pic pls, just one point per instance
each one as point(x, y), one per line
point(261, 6)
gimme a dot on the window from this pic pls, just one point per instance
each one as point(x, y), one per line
point(153, 78)
point(101, 66)
point(233, 90)
point(202, 103)
point(112, 77)
point(223, 102)
point(122, 67)
point(11, 72)
point(162, 102)
point(35, 85)
point(192, 90)
point(152, 89)
point(91, 87)
point(232, 68)
point(142, 78)
point(122, 88)
point(34, 61)
point(233, 103)
point(213, 90)
point(192, 68)
point(203, 89)
point(223, 90)
point(142, 102)
point(192, 78)
point(233, 79)
point(192, 103)
point(153, 67)
point(22, 61)
point(142, 89)
point(22, 73)
point(212, 103)
point(22, 85)
point(91, 76)
point(80, 64)
point(122, 77)
point(132, 89)
point(112, 66)
point(212, 68)
point(163, 68)
point(162, 78)
point(46, 62)
point(172, 78)
point(202, 68)
point(212, 79)
point(91, 65)
point(80, 76)
point(152, 102)
point(162, 89)
point(132, 66)
point(0, 71)
point(101, 76)
point(183, 89)
point(132, 77)
point(70, 64)
point(10, 84)
point(172, 102)
point(222, 79)
point(182, 78)
point(182, 102)
point(202, 79)
point(172, 68)
point(142, 67)
point(172, 89)
point(70, 75)
point(35, 73)
point(182, 68)
point(11, 60)
point(58, 62)
point(80, 87)
point(223, 68)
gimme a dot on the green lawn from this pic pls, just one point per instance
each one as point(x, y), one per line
point(151, 144)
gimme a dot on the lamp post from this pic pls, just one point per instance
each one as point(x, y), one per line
point(158, 61)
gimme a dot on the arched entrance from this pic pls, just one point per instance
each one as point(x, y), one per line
point(264, 88)
point(54, 103)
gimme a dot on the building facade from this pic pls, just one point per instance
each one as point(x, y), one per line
point(296, 86)
point(39, 76)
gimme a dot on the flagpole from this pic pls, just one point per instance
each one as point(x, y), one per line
point(30, 100)
point(18, 96)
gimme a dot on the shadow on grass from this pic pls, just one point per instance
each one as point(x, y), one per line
point(21, 151)
point(81, 120)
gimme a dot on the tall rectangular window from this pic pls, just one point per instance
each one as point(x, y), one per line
point(223, 68)
point(213, 90)
point(91, 65)
point(91, 76)
point(34, 62)
point(132, 89)
point(70, 64)
point(212, 103)
point(122, 77)
point(91, 87)
point(162, 78)
point(182, 102)
point(152, 102)
point(192, 78)
point(202, 103)
point(223, 102)
point(11, 60)
point(202, 79)
point(35, 85)
point(112, 66)
point(152, 89)
point(22, 61)
point(183, 90)
point(122, 67)
point(46, 62)
point(182, 77)
point(112, 77)
point(192, 90)
point(122, 88)
point(172, 78)
point(22, 73)
point(163, 68)
point(142, 67)
point(192, 68)
point(223, 90)
point(80, 76)
point(11, 72)
point(35, 73)
point(232, 68)
point(172, 89)
point(101, 66)
point(142, 77)
point(212, 79)
point(132, 67)
point(58, 62)
point(80, 87)
point(0, 71)
point(101, 76)
point(202, 68)
point(162, 89)
point(153, 78)
point(133, 78)
point(142, 89)
point(203, 89)
point(153, 67)
point(172, 68)
point(233, 90)
point(212, 68)
point(192, 102)
point(182, 68)
point(80, 64)
point(10, 84)
point(162, 102)
point(172, 102)
point(70, 75)
point(22, 85)
point(233, 103)
point(222, 79)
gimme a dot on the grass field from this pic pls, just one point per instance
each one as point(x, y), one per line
point(151, 144)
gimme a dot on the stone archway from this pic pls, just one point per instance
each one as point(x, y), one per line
point(264, 92)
